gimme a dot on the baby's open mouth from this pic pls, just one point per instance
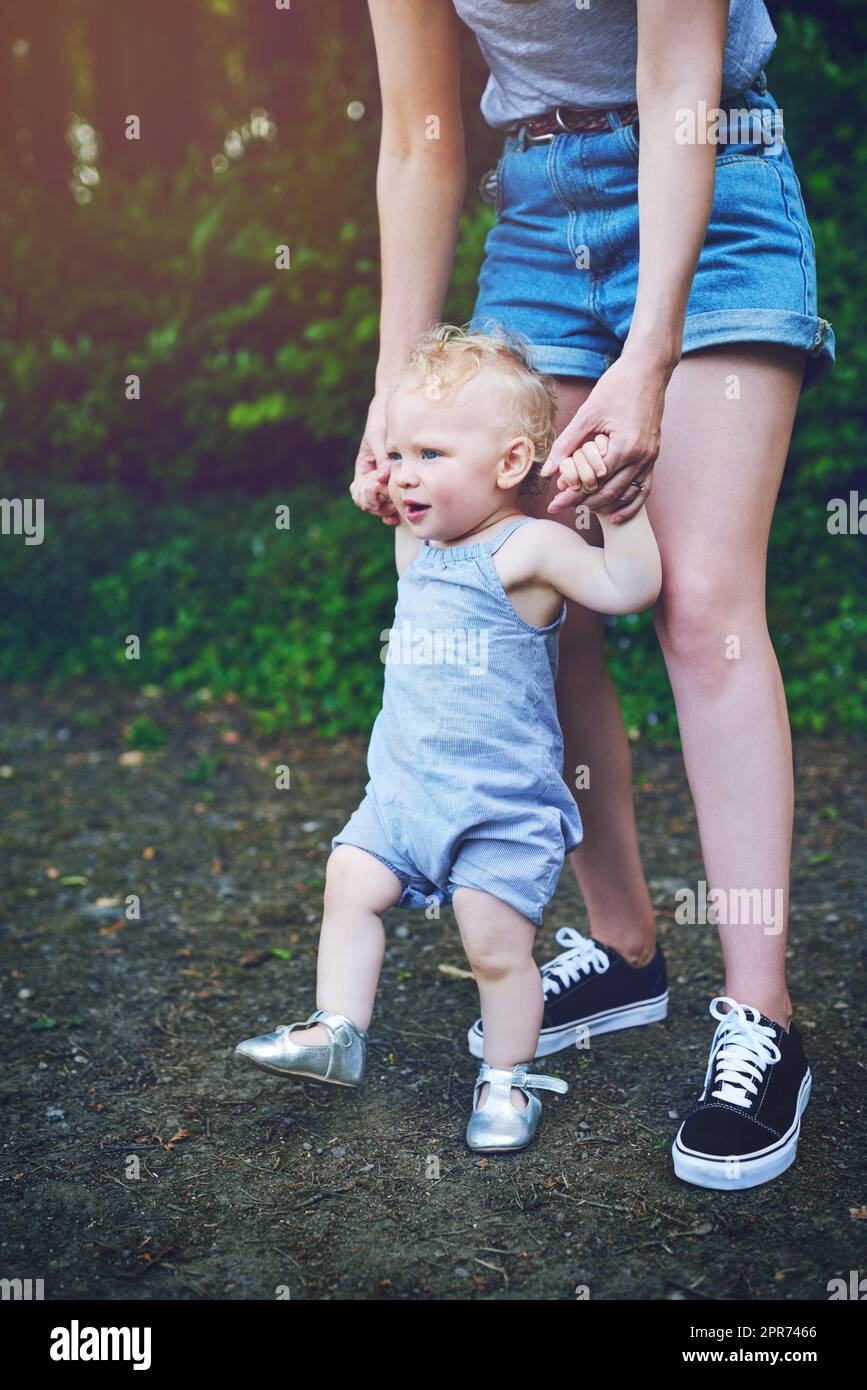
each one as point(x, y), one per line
point(416, 509)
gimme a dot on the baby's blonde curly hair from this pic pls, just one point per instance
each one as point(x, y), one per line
point(446, 355)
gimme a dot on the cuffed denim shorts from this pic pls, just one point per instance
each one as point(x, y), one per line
point(561, 261)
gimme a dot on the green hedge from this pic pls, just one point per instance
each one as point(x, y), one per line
point(253, 377)
point(290, 620)
point(256, 381)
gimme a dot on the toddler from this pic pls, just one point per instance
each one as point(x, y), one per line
point(466, 802)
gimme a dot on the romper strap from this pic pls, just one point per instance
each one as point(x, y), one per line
point(494, 545)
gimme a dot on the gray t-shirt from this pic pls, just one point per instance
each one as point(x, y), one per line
point(545, 53)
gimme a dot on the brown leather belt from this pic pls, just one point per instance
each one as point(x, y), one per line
point(573, 121)
point(570, 119)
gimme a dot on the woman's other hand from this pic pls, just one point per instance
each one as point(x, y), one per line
point(625, 407)
point(369, 487)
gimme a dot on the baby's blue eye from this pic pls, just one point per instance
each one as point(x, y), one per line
point(435, 452)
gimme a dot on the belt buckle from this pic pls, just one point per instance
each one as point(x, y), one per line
point(548, 135)
point(531, 139)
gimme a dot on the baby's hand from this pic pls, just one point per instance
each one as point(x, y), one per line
point(371, 491)
point(582, 469)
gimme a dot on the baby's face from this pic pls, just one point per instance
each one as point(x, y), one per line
point(444, 456)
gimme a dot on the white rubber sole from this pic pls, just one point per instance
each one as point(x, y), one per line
point(607, 1021)
point(733, 1173)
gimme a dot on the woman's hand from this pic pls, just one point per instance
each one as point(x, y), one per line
point(625, 407)
point(369, 487)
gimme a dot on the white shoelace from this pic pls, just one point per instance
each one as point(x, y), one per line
point(582, 956)
point(746, 1050)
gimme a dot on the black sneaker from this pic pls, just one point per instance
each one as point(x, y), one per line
point(744, 1128)
point(589, 988)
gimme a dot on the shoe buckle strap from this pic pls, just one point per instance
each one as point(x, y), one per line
point(343, 1028)
point(535, 1082)
point(520, 1078)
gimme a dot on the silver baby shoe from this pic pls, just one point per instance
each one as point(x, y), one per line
point(498, 1126)
point(341, 1061)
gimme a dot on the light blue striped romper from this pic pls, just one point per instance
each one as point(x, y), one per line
point(466, 755)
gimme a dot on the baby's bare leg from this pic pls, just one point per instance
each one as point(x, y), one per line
point(358, 887)
point(499, 943)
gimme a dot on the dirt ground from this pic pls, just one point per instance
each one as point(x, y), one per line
point(143, 1160)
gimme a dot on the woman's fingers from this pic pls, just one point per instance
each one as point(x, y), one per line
point(570, 497)
point(618, 487)
point(624, 513)
point(634, 498)
point(570, 439)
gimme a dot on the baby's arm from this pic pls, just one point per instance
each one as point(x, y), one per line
point(405, 547)
point(624, 577)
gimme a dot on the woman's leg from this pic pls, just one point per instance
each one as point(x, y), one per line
point(607, 864)
point(712, 500)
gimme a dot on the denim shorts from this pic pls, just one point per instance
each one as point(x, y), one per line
point(561, 261)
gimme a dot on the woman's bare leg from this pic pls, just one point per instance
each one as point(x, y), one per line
point(607, 864)
point(714, 489)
